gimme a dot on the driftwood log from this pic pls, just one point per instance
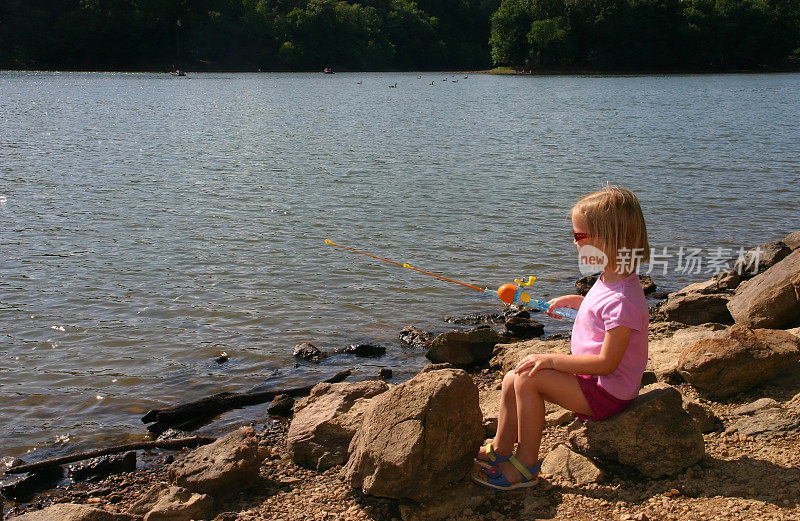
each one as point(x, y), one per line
point(177, 443)
point(218, 403)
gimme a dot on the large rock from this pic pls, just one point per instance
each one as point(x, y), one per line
point(761, 258)
point(417, 437)
point(654, 435)
point(665, 351)
point(739, 360)
point(771, 299)
point(222, 467)
point(561, 461)
point(463, 348)
point(326, 420)
point(696, 308)
point(170, 503)
point(71, 512)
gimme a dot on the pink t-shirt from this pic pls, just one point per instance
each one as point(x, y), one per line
point(605, 307)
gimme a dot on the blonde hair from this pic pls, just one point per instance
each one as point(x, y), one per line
point(614, 215)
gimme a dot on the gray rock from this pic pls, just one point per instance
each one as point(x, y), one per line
point(170, 503)
point(767, 255)
point(463, 348)
point(416, 337)
point(768, 423)
point(22, 486)
point(222, 467)
point(417, 437)
point(771, 299)
point(743, 358)
point(521, 327)
point(696, 308)
point(756, 406)
point(326, 420)
point(308, 352)
point(281, 406)
point(104, 465)
point(654, 435)
point(362, 350)
point(72, 512)
point(585, 283)
point(561, 461)
point(722, 282)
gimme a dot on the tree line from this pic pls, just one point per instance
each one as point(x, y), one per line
point(395, 34)
point(645, 34)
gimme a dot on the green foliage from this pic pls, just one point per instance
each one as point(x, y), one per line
point(396, 34)
point(245, 34)
point(644, 34)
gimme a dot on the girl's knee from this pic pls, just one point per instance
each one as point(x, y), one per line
point(508, 380)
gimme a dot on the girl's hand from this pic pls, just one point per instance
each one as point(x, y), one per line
point(533, 364)
point(567, 301)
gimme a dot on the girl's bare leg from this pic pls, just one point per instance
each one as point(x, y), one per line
point(506, 436)
point(531, 393)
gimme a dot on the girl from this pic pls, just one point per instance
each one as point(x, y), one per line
point(609, 344)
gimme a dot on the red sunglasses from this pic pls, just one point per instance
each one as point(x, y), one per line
point(579, 236)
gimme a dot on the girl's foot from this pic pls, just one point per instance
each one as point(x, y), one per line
point(508, 475)
point(487, 456)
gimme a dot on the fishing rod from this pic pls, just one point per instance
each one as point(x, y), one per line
point(508, 293)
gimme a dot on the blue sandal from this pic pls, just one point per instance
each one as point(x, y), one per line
point(494, 458)
point(498, 481)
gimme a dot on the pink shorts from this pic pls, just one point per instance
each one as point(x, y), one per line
point(602, 403)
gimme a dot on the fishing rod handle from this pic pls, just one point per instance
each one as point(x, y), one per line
point(561, 311)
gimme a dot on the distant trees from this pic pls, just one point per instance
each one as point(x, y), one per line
point(644, 34)
point(396, 34)
point(245, 34)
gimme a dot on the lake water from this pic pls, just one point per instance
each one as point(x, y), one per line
point(149, 223)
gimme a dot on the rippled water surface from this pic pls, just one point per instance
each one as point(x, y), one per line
point(149, 223)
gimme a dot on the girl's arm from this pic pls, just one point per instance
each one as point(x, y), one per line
point(567, 301)
point(614, 345)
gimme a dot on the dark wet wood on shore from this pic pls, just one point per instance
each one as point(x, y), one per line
point(218, 403)
point(177, 443)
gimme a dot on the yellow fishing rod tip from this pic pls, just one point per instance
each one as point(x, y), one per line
point(408, 266)
point(328, 241)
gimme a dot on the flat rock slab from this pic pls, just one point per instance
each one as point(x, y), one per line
point(71, 512)
point(654, 435)
point(222, 467)
point(768, 423)
point(171, 503)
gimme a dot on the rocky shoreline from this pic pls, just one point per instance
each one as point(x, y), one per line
point(713, 435)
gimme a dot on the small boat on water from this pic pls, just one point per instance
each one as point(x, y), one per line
point(178, 72)
point(328, 70)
